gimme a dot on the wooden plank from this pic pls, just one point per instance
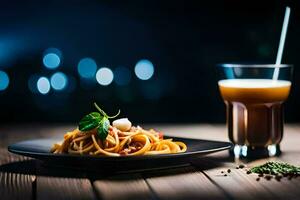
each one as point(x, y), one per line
point(183, 183)
point(123, 187)
point(189, 183)
point(285, 188)
point(240, 185)
point(14, 185)
point(40, 187)
point(236, 183)
point(63, 188)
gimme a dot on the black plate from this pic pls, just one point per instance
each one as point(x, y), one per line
point(40, 148)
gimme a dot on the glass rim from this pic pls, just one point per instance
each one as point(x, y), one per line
point(234, 65)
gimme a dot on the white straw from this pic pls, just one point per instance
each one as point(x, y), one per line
point(282, 40)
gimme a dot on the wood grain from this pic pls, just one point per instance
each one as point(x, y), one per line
point(240, 185)
point(13, 185)
point(123, 187)
point(63, 188)
point(22, 179)
point(183, 183)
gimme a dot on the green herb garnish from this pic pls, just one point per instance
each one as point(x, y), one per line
point(98, 120)
point(90, 121)
point(276, 168)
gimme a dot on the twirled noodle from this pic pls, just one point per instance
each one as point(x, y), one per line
point(136, 141)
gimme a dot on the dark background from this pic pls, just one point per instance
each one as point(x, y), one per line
point(183, 39)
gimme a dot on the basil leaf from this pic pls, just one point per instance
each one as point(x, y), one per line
point(103, 129)
point(90, 121)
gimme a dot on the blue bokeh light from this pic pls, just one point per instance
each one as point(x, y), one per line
point(144, 69)
point(58, 81)
point(51, 60)
point(122, 75)
point(104, 76)
point(87, 68)
point(43, 85)
point(4, 80)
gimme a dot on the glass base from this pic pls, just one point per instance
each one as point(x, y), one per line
point(243, 151)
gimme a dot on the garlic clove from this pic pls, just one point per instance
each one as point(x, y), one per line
point(122, 124)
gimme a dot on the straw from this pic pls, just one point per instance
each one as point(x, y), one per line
point(281, 43)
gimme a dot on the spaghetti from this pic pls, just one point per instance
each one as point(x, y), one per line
point(132, 142)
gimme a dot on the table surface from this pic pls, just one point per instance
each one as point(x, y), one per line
point(25, 178)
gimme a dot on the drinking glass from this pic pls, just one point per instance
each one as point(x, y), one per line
point(254, 106)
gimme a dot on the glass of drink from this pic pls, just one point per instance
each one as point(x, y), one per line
point(254, 106)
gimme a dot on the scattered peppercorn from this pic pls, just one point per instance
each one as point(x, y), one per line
point(237, 167)
point(257, 179)
point(260, 175)
point(268, 177)
point(278, 177)
point(225, 174)
point(222, 172)
point(241, 166)
point(249, 172)
point(228, 170)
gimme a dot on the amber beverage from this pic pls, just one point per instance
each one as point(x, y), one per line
point(254, 110)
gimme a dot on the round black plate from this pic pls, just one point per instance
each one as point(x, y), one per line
point(40, 149)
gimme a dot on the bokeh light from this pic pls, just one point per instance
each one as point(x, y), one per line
point(122, 75)
point(4, 80)
point(87, 68)
point(43, 85)
point(58, 81)
point(144, 69)
point(104, 76)
point(51, 60)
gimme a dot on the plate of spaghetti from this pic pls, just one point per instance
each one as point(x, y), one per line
point(134, 142)
point(99, 144)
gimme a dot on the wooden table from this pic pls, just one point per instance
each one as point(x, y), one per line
point(24, 178)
